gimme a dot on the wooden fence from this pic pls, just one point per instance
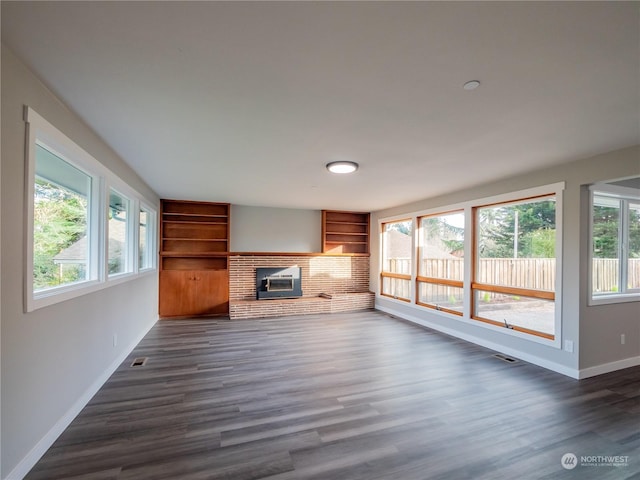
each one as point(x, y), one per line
point(530, 273)
point(605, 274)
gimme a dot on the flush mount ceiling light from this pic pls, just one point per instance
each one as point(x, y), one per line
point(471, 85)
point(342, 167)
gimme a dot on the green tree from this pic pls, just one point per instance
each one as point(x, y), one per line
point(494, 240)
point(60, 219)
point(606, 222)
point(535, 229)
point(539, 243)
point(402, 227)
point(441, 233)
point(634, 231)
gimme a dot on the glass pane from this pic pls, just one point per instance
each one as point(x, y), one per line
point(441, 296)
point(396, 247)
point(143, 257)
point(396, 287)
point(516, 244)
point(61, 217)
point(118, 221)
point(442, 246)
point(605, 248)
point(633, 260)
point(532, 313)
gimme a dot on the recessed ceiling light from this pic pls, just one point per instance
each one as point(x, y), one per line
point(471, 85)
point(342, 167)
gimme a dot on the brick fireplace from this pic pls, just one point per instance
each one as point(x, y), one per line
point(331, 283)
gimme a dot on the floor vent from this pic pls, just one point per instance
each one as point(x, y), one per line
point(504, 358)
point(139, 362)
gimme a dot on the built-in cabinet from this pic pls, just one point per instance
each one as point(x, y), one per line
point(345, 232)
point(194, 255)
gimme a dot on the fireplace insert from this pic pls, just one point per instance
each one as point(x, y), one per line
point(278, 282)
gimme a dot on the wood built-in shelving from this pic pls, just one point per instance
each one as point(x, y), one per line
point(194, 252)
point(345, 232)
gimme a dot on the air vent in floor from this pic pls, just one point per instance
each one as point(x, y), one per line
point(139, 362)
point(504, 358)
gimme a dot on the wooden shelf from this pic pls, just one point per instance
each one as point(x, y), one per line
point(194, 264)
point(345, 232)
point(194, 254)
point(346, 223)
point(192, 222)
point(184, 214)
point(191, 208)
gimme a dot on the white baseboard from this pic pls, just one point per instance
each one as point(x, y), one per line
point(541, 362)
point(609, 367)
point(36, 453)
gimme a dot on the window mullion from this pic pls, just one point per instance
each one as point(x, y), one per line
point(98, 231)
point(414, 260)
point(623, 246)
point(469, 260)
point(134, 235)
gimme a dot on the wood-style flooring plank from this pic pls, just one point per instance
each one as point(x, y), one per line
point(356, 396)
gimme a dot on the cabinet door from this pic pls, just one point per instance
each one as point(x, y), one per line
point(194, 292)
point(177, 289)
point(212, 292)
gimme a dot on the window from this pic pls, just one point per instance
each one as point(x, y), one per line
point(615, 244)
point(397, 247)
point(61, 216)
point(441, 262)
point(515, 273)
point(78, 236)
point(495, 262)
point(118, 216)
point(144, 257)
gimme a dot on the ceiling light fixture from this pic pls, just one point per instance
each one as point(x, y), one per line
point(471, 85)
point(342, 167)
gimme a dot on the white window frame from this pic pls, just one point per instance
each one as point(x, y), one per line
point(152, 222)
point(130, 234)
point(556, 189)
point(39, 130)
point(624, 194)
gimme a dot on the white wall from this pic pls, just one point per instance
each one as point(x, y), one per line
point(602, 325)
point(260, 229)
point(590, 328)
point(54, 358)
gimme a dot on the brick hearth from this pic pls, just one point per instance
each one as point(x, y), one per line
point(330, 284)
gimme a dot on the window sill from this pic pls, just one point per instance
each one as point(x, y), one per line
point(555, 343)
point(55, 295)
point(613, 298)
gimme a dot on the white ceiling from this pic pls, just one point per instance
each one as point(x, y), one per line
point(246, 102)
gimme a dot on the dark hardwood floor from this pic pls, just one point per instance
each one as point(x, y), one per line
point(337, 397)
